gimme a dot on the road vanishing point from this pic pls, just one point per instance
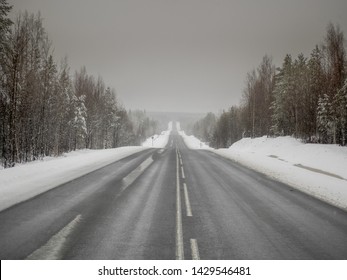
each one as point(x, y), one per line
point(173, 203)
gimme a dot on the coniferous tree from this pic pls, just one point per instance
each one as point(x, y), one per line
point(340, 105)
point(282, 111)
point(317, 87)
point(44, 111)
point(306, 98)
point(5, 24)
point(204, 128)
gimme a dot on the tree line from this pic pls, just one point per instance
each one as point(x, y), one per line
point(305, 98)
point(44, 110)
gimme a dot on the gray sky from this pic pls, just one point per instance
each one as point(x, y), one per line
point(181, 55)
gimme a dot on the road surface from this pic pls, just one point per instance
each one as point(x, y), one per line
point(173, 203)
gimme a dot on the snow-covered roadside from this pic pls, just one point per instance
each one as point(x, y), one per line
point(192, 142)
point(318, 170)
point(158, 141)
point(25, 181)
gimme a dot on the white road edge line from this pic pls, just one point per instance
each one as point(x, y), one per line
point(186, 197)
point(179, 231)
point(195, 249)
point(133, 175)
point(52, 249)
point(179, 155)
point(183, 175)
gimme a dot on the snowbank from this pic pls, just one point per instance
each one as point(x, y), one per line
point(28, 180)
point(158, 141)
point(328, 158)
point(192, 142)
point(318, 170)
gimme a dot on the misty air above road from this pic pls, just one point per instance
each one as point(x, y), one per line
point(182, 200)
point(185, 55)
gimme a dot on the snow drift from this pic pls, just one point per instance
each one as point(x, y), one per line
point(25, 181)
point(316, 169)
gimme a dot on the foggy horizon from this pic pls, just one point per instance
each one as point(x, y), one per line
point(181, 56)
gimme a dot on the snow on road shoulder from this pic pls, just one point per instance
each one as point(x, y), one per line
point(192, 142)
point(28, 180)
point(158, 141)
point(316, 169)
point(328, 158)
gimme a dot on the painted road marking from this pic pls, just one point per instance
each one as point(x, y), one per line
point(179, 231)
point(186, 197)
point(133, 175)
point(52, 250)
point(195, 249)
point(183, 175)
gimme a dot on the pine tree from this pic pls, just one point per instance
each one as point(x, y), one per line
point(79, 122)
point(5, 24)
point(335, 54)
point(326, 119)
point(340, 103)
point(204, 128)
point(317, 87)
point(283, 115)
point(266, 73)
point(235, 130)
point(221, 134)
point(301, 96)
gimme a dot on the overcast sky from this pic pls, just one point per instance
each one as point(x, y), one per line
point(181, 55)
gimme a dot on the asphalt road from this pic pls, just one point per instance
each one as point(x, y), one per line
point(173, 203)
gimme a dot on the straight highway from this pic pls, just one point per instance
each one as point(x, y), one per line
point(173, 203)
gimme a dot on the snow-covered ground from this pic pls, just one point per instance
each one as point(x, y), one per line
point(192, 142)
point(25, 181)
point(158, 141)
point(28, 180)
point(318, 170)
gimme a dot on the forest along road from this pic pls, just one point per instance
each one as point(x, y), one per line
point(173, 203)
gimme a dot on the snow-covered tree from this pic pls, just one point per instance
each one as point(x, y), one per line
point(336, 58)
point(143, 126)
point(340, 104)
point(5, 23)
point(79, 122)
point(282, 110)
point(204, 128)
point(317, 87)
point(331, 111)
point(222, 133)
point(306, 98)
point(43, 110)
point(326, 119)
